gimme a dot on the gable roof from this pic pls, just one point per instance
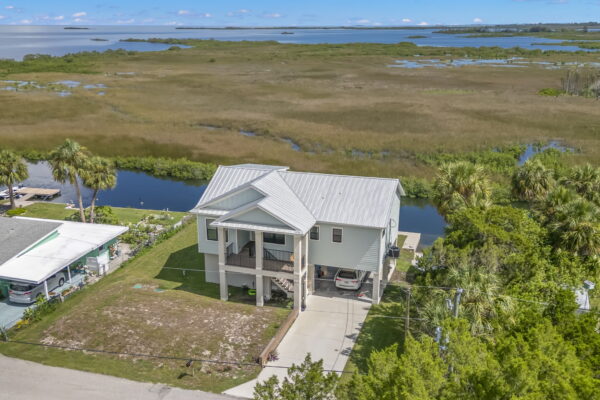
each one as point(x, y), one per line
point(18, 234)
point(302, 199)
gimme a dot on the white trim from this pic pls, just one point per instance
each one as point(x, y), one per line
point(206, 226)
point(332, 229)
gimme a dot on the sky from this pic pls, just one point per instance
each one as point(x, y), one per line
point(296, 13)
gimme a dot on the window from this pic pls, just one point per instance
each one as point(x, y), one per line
point(314, 232)
point(211, 233)
point(337, 235)
point(275, 238)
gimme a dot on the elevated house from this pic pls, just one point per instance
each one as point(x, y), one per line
point(264, 226)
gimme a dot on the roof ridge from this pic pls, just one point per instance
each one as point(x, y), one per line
point(341, 175)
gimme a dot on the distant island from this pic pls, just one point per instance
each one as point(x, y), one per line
point(287, 33)
point(417, 37)
point(99, 40)
point(75, 27)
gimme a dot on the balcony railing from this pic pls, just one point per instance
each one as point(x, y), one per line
point(273, 260)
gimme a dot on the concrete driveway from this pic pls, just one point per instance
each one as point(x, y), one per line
point(25, 380)
point(327, 329)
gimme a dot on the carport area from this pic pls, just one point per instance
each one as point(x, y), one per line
point(324, 286)
point(327, 329)
point(11, 313)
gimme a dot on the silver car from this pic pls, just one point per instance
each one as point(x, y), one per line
point(25, 293)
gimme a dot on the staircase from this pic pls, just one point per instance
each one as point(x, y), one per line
point(286, 285)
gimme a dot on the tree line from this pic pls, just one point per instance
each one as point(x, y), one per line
point(493, 304)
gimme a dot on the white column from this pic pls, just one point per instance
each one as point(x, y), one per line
point(69, 273)
point(311, 278)
point(223, 284)
point(222, 274)
point(46, 290)
point(258, 246)
point(260, 297)
point(376, 287)
point(297, 273)
point(267, 287)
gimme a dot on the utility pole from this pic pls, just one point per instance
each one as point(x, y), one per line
point(459, 292)
point(407, 319)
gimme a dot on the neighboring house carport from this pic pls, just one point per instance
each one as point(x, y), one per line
point(69, 244)
point(328, 330)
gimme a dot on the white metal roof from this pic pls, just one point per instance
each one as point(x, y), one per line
point(335, 199)
point(74, 240)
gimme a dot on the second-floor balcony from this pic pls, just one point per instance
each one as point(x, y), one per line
point(273, 260)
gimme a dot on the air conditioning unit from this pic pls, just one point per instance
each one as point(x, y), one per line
point(394, 252)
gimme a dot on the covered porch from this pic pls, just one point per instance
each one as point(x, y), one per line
point(265, 255)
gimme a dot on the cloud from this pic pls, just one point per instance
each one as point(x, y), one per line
point(25, 21)
point(59, 18)
point(78, 20)
point(272, 15)
point(363, 21)
point(2, 17)
point(126, 21)
point(173, 23)
point(188, 13)
point(79, 14)
point(423, 23)
point(239, 13)
point(10, 7)
point(148, 20)
point(184, 12)
point(407, 20)
point(477, 20)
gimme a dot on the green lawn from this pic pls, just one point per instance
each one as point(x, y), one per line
point(147, 308)
point(379, 332)
point(404, 262)
point(124, 215)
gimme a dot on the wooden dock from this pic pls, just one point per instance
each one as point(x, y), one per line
point(38, 192)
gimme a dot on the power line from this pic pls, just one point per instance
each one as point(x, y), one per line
point(160, 357)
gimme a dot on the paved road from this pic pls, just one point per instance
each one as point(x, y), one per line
point(25, 380)
point(327, 329)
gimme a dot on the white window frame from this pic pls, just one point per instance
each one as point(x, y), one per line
point(342, 235)
point(207, 227)
point(318, 233)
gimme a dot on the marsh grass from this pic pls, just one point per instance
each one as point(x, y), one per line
point(335, 101)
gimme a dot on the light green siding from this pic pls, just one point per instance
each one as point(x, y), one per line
point(360, 248)
point(259, 217)
point(237, 200)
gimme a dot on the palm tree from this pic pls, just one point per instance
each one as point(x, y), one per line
point(68, 162)
point(576, 228)
point(585, 180)
point(481, 301)
point(12, 170)
point(532, 181)
point(100, 175)
point(461, 184)
point(553, 203)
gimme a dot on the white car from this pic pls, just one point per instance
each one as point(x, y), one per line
point(349, 279)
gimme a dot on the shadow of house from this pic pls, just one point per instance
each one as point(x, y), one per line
point(186, 267)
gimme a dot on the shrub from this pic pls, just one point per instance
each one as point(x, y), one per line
point(16, 211)
point(551, 92)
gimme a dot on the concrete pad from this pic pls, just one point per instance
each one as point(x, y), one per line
point(412, 240)
point(327, 329)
